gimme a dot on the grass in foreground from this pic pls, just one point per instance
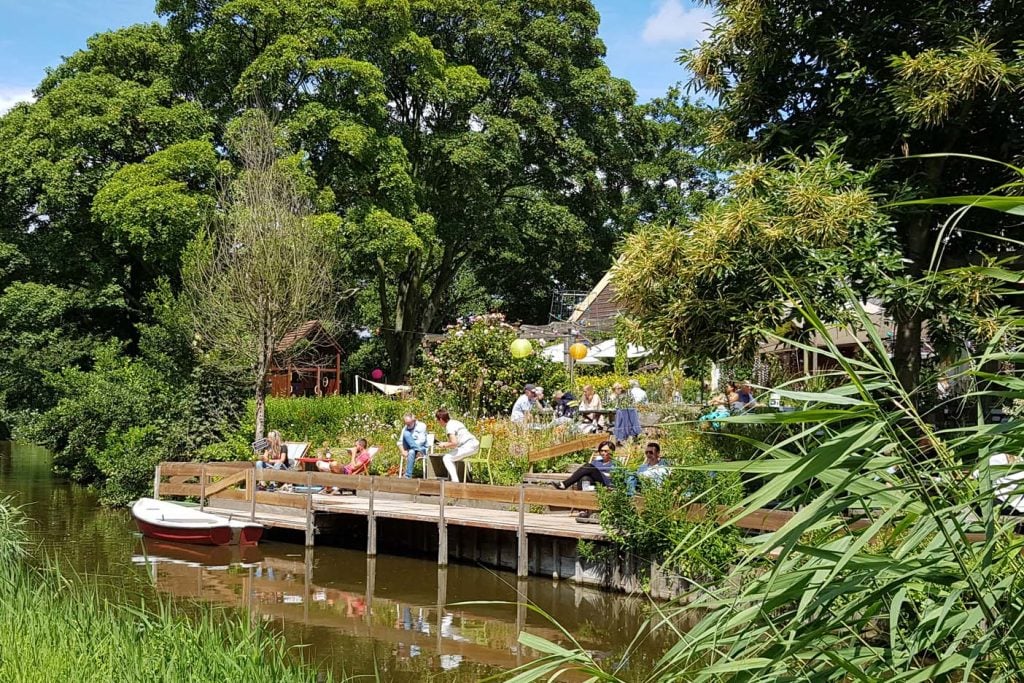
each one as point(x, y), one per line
point(52, 629)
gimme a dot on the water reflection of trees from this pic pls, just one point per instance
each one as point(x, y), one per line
point(323, 600)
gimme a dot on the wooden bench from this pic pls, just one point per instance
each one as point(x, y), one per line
point(581, 444)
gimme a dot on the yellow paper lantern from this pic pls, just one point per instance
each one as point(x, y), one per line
point(521, 348)
point(578, 351)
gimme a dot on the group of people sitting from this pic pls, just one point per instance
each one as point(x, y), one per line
point(599, 470)
point(414, 443)
point(565, 407)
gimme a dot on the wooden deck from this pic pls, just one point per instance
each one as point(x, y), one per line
point(553, 524)
point(538, 512)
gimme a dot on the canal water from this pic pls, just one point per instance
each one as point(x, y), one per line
point(401, 617)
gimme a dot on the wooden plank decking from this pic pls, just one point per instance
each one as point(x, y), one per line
point(554, 524)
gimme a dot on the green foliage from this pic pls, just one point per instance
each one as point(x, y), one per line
point(472, 369)
point(884, 80)
point(110, 425)
point(95, 408)
point(707, 290)
point(350, 417)
point(127, 461)
point(507, 157)
point(927, 587)
point(658, 528)
point(13, 535)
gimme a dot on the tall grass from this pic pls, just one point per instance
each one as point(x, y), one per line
point(896, 565)
point(55, 629)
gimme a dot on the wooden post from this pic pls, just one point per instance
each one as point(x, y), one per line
point(310, 530)
point(337, 373)
point(442, 532)
point(523, 556)
point(556, 557)
point(371, 526)
point(252, 493)
point(156, 483)
point(202, 487)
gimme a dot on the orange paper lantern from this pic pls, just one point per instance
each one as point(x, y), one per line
point(578, 351)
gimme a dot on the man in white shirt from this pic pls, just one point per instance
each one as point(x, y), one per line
point(413, 442)
point(638, 394)
point(459, 438)
point(523, 404)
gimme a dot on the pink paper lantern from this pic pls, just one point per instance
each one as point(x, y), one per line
point(377, 375)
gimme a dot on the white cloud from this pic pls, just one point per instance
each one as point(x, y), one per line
point(11, 96)
point(674, 23)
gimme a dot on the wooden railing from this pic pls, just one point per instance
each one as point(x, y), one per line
point(237, 481)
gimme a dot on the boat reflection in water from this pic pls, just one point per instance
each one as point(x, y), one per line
point(358, 614)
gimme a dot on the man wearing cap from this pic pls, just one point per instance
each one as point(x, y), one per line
point(523, 404)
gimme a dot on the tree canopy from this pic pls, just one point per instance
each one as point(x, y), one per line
point(886, 80)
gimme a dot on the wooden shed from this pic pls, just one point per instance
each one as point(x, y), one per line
point(307, 362)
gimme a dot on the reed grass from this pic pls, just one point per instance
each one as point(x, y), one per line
point(929, 586)
point(53, 628)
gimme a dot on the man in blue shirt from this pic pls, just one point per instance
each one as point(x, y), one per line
point(413, 442)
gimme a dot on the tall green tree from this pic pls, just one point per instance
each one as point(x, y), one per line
point(81, 242)
point(890, 80)
point(451, 135)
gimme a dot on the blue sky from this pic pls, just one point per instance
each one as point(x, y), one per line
point(643, 37)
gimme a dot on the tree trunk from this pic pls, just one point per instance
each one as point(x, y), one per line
point(261, 409)
point(909, 315)
point(414, 310)
point(906, 350)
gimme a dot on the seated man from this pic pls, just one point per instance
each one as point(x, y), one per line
point(413, 442)
point(652, 472)
point(359, 464)
point(564, 405)
point(524, 404)
point(597, 470)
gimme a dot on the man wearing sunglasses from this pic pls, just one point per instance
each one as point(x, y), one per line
point(652, 472)
point(597, 470)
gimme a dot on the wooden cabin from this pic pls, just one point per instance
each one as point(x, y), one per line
point(306, 358)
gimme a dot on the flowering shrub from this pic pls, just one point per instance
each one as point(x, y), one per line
point(472, 370)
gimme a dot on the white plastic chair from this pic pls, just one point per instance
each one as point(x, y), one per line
point(430, 451)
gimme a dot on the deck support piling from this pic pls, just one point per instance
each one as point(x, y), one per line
point(523, 554)
point(310, 527)
point(156, 483)
point(371, 526)
point(202, 487)
point(252, 494)
point(442, 532)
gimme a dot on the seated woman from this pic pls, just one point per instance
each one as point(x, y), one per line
point(590, 422)
point(359, 463)
point(275, 457)
point(460, 439)
point(597, 470)
point(718, 412)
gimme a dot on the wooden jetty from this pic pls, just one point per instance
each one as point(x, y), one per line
point(544, 514)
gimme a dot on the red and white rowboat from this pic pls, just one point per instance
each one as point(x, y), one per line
point(166, 521)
